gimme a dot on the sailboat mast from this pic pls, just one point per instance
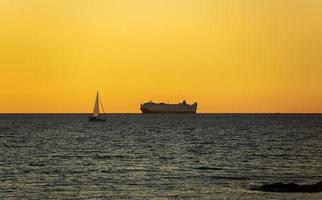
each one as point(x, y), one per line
point(96, 107)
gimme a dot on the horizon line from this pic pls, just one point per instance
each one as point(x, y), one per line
point(71, 113)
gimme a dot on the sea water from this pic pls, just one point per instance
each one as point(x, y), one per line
point(134, 156)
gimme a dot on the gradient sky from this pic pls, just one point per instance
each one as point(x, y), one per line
point(228, 55)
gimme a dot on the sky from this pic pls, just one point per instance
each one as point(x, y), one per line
point(227, 55)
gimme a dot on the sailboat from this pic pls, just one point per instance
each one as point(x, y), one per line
point(96, 112)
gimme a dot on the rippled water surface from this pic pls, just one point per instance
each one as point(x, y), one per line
point(157, 156)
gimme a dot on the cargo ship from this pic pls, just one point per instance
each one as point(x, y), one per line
point(163, 108)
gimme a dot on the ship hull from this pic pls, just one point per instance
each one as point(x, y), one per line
point(148, 111)
point(163, 108)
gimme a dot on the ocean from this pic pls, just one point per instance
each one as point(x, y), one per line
point(135, 156)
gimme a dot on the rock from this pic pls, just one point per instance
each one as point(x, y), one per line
point(291, 187)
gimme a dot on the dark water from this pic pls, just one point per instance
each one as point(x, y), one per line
point(157, 156)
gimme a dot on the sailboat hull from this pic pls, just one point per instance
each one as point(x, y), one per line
point(96, 119)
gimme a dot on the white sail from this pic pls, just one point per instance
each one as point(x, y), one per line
point(96, 107)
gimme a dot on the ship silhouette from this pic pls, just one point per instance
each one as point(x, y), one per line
point(163, 108)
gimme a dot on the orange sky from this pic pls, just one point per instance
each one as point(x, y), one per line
point(228, 55)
